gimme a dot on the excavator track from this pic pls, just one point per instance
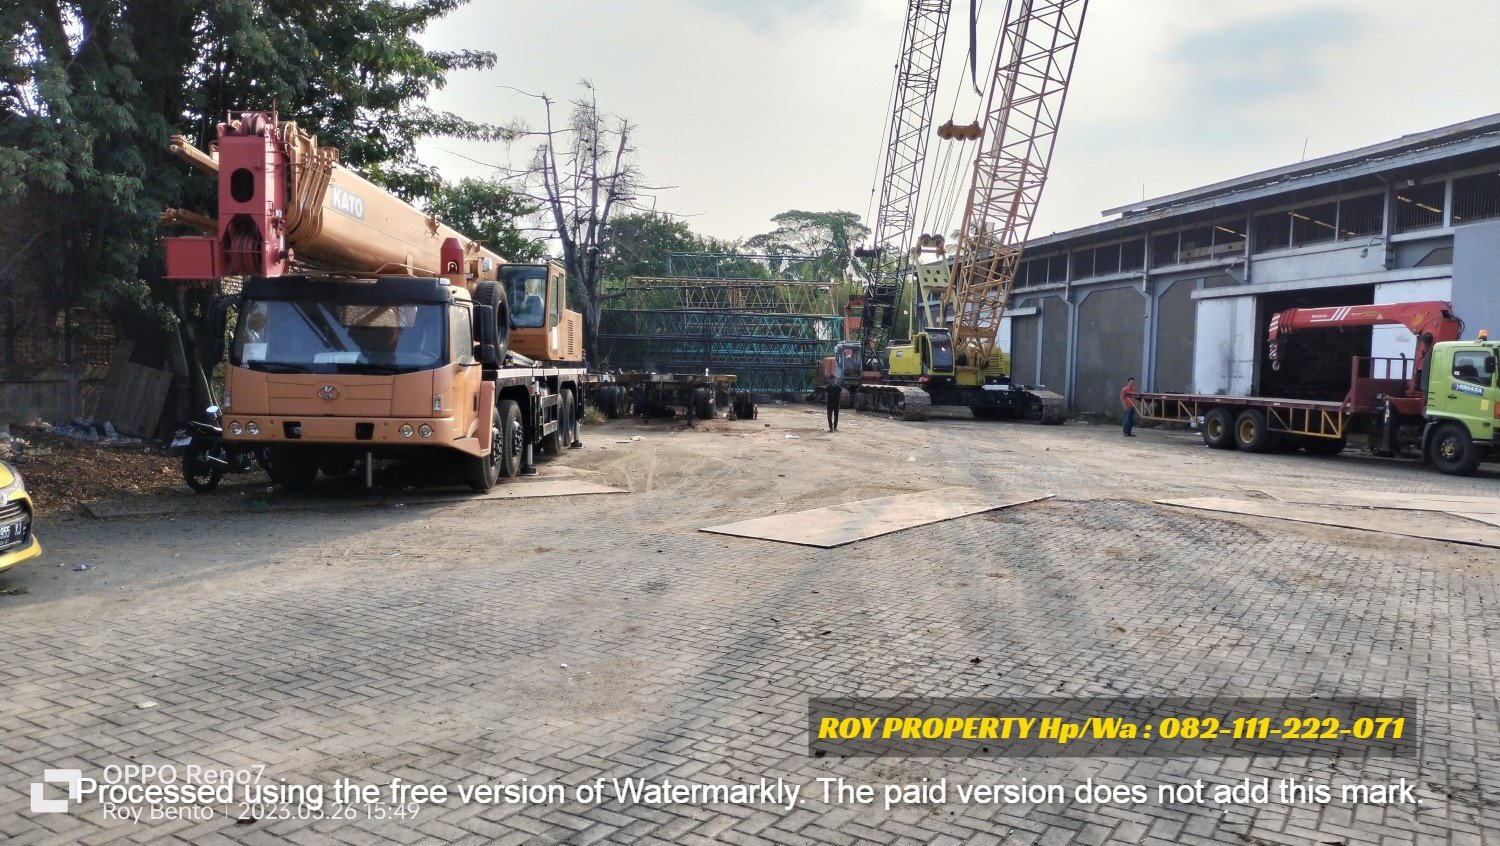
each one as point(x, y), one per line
point(1045, 407)
point(899, 400)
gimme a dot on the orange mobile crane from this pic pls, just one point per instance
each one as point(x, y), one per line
point(368, 329)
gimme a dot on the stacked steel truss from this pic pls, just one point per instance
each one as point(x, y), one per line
point(771, 334)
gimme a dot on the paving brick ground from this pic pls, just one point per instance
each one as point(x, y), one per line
point(442, 643)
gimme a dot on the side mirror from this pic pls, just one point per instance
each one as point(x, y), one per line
point(488, 355)
point(1489, 365)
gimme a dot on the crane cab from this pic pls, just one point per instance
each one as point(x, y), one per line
point(930, 354)
point(542, 328)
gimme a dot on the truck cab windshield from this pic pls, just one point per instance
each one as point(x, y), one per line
point(526, 293)
point(309, 336)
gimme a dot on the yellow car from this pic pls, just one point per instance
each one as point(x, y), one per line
point(17, 543)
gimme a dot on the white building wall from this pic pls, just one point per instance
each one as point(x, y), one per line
point(1396, 341)
point(1224, 349)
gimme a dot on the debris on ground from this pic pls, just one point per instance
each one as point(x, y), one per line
point(63, 471)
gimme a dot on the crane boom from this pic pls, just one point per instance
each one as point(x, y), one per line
point(1024, 110)
point(915, 96)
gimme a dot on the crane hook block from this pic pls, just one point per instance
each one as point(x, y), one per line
point(953, 132)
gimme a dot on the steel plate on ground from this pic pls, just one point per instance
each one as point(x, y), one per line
point(848, 522)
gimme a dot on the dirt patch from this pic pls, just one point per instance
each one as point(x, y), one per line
point(62, 473)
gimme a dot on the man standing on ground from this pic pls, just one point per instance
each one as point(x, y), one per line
point(1127, 399)
point(832, 393)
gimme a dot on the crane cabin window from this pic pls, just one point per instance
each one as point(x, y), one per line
point(526, 294)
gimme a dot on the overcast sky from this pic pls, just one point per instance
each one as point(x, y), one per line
point(753, 107)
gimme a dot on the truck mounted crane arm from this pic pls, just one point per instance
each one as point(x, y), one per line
point(1430, 322)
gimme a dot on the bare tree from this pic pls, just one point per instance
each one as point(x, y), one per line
point(588, 172)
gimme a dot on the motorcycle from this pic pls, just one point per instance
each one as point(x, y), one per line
point(206, 456)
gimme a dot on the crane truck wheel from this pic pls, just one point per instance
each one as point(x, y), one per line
point(1218, 429)
point(482, 471)
point(1452, 451)
point(703, 404)
point(556, 442)
point(293, 469)
point(513, 437)
point(1251, 434)
point(492, 295)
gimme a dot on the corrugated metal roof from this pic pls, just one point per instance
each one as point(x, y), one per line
point(1448, 141)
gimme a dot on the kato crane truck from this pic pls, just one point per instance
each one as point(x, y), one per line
point(366, 328)
point(1442, 402)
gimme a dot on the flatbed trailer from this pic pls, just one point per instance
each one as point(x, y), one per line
point(661, 394)
point(1269, 424)
point(1375, 409)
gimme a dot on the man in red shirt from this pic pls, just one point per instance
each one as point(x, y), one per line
point(1127, 399)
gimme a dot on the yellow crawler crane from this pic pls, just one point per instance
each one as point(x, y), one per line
point(954, 358)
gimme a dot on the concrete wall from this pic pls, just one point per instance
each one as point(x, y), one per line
point(1176, 330)
point(1056, 324)
point(1224, 352)
point(1026, 335)
point(1111, 336)
point(1476, 276)
point(1324, 261)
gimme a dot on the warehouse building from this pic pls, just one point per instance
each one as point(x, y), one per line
point(1179, 290)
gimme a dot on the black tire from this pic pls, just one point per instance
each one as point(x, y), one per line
point(1251, 434)
point(482, 471)
point(200, 474)
point(1452, 451)
point(493, 295)
point(608, 400)
point(293, 469)
point(1323, 446)
point(509, 415)
point(1218, 429)
point(703, 404)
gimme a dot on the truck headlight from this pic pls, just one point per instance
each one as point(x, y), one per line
point(405, 430)
point(252, 428)
point(424, 430)
point(236, 429)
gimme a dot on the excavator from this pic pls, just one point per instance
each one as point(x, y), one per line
point(953, 356)
point(366, 328)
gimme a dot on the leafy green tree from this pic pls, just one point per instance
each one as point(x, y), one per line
point(830, 236)
point(91, 90)
point(491, 213)
point(637, 244)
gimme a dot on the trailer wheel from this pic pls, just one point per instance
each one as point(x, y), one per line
point(608, 400)
point(482, 471)
point(1218, 429)
point(1323, 446)
point(1251, 434)
point(509, 415)
point(703, 404)
point(1452, 451)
